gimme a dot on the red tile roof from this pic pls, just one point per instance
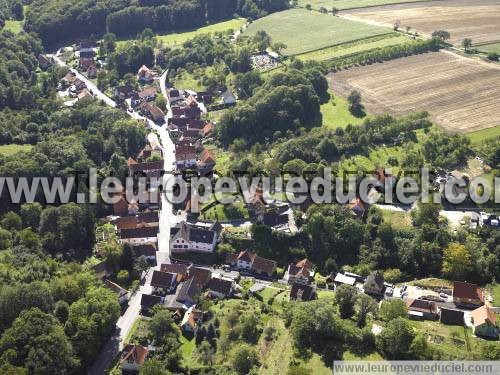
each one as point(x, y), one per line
point(467, 290)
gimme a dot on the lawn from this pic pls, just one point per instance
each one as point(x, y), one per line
point(453, 341)
point(139, 332)
point(350, 4)
point(236, 210)
point(186, 80)
point(222, 159)
point(13, 148)
point(487, 48)
point(495, 292)
point(13, 26)
point(374, 356)
point(304, 31)
point(357, 46)
point(377, 157)
point(187, 346)
point(177, 38)
point(325, 294)
point(268, 293)
point(181, 37)
point(397, 219)
point(482, 135)
point(336, 114)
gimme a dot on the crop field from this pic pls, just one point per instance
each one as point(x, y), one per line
point(461, 94)
point(357, 46)
point(478, 20)
point(350, 4)
point(304, 31)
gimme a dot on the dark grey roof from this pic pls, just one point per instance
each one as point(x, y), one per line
point(201, 235)
point(148, 250)
point(162, 279)
point(141, 232)
point(377, 278)
point(273, 218)
point(220, 285)
point(451, 316)
point(148, 301)
point(302, 292)
point(189, 290)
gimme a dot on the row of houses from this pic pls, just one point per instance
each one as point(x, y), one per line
point(75, 86)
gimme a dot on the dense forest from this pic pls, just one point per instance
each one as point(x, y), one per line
point(58, 20)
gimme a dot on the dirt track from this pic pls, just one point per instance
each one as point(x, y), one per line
point(475, 19)
point(462, 95)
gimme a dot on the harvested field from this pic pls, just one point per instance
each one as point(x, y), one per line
point(304, 31)
point(461, 94)
point(478, 20)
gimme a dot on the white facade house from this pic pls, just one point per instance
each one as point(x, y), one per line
point(192, 238)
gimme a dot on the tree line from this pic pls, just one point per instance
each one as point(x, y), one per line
point(55, 23)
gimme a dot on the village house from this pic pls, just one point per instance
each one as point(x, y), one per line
point(358, 207)
point(147, 219)
point(228, 98)
point(148, 151)
point(191, 135)
point(302, 292)
point(275, 219)
point(85, 93)
point(421, 309)
point(148, 251)
point(44, 62)
point(451, 317)
point(122, 293)
point(190, 238)
point(192, 318)
point(146, 95)
point(201, 276)
point(174, 95)
point(374, 284)
point(250, 261)
point(385, 180)
point(177, 123)
point(208, 129)
point(153, 112)
point(188, 292)
point(204, 97)
point(139, 236)
point(179, 269)
point(206, 161)
point(86, 49)
point(340, 279)
point(148, 200)
point(467, 294)
point(151, 169)
point(133, 357)
point(163, 282)
point(145, 75)
point(148, 302)
point(123, 92)
point(484, 321)
point(220, 288)
point(301, 272)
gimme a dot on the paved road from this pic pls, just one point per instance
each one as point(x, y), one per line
point(115, 343)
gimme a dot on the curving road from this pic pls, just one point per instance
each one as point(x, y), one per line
point(124, 324)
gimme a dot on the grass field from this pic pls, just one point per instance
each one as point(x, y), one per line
point(482, 135)
point(181, 37)
point(461, 94)
point(487, 48)
point(357, 46)
point(397, 219)
point(177, 38)
point(13, 26)
point(336, 114)
point(185, 80)
point(495, 292)
point(304, 31)
point(13, 148)
point(349, 4)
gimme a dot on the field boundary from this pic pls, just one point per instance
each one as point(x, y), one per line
point(376, 6)
point(353, 42)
